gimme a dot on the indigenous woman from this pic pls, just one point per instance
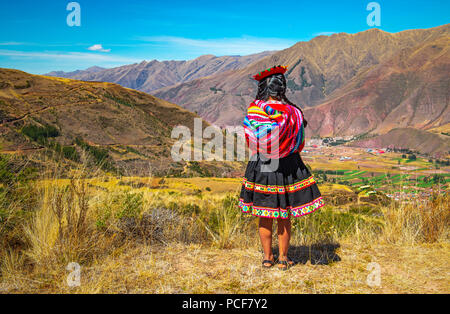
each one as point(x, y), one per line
point(277, 184)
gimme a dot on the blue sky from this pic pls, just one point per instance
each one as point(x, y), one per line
point(35, 36)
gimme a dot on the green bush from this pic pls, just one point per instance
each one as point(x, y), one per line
point(187, 209)
point(118, 206)
point(71, 153)
point(40, 134)
point(119, 100)
point(131, 205)
point(101, 156)
point(202, 172)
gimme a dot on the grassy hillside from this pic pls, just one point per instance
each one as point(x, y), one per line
point(409, 138)
point(123, 130)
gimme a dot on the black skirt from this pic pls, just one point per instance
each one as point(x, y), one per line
point(287, 190)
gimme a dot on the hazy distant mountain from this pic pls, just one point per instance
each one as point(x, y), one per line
point(148, 76)
point(73, 74)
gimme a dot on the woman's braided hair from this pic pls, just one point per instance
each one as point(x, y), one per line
point(275, 86)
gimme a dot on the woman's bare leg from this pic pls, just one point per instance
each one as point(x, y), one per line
point(265, 233)
point(284, 236)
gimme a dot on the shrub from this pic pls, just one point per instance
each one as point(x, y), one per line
point(127, 215)
point(225, 225)
point(329, 225)
point(71, 153)
point(131, 205)
point(17, 201)
point(40, 134)
point(61, 230)
point(196, 167)
point(417, 222)
point(113, 208)
point(101, 156)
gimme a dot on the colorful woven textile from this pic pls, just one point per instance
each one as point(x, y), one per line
point(289, 191)
point(274, 129)
point(284, 213)
point(277, 189)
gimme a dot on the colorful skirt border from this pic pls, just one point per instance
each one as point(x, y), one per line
point(274, 213)
point(275, 189)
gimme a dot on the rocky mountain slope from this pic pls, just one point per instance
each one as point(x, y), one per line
point(148, 76)
point(323, 69)
point(411, 89)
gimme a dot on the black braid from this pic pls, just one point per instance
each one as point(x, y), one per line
point(275, 86)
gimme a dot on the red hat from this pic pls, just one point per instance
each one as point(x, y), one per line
point(270, 71)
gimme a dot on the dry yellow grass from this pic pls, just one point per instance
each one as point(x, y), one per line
point(179, 268)
point(153, 235)
point(441, 129)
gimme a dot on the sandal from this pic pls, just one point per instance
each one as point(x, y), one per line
point(286, 264)
point(267, 262)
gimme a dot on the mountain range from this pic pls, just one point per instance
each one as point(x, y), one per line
point(150, 75)
point(319, 70)
point(367, 83)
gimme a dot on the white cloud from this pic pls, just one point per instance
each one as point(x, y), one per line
point(222, 46)
point(11, 43)
point(98, 47)
point(81, 56)
point(323, 34)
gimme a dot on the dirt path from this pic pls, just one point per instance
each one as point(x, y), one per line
point(24, 116)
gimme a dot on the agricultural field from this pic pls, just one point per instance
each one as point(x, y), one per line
point(389, 173)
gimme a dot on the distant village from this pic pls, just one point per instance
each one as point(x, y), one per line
point(317, 143)
point(404, 176)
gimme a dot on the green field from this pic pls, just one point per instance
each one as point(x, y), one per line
point(385, 181)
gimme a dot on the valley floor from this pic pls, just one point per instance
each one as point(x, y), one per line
point(179, 268)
